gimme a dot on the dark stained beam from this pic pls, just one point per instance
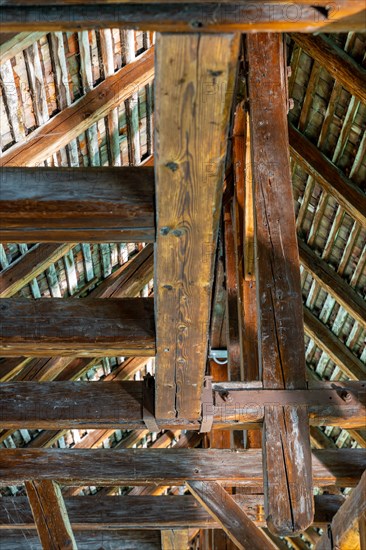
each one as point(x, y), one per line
point(331, 178)
point(286, 443)
point(189, 168)
point(341, 66)
point(167, 466)
point(187, 16)
point(77, 205)
point(231, 518)
point(50, 515)
point(85, 328)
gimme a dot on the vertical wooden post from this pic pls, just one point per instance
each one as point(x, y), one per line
point(286, 444)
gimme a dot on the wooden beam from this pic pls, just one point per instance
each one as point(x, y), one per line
point(130, 512)
point(331, 178)
point(30, 265)
point(333, 283)
point(324, 338)
point(16, 43)
point(72, 121)
point(189, 159)
point(232, 519)
point(167, 466)
point(344, 531)
point(286, 443)
point(50, 515)
point(339, 64)
point(117, 403)
point(174, 539)
point(93, 328)
point(77, 205)
point(189, 16)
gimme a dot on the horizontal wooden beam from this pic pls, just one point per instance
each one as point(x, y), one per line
point(333, 283)
point(331, 178)
point(88, 405)
point(93, 106)
point(167, 466)
point(85, 328)
point(148, 512)
point(186, 16)
point(77, 204)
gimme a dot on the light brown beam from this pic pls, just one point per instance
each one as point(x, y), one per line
point(344, 530)
point(174, 539)
point(286, 443)
point(77, 204)
point(87, 328)
point(192, 110)
point(232, 519)
point(331, 178)
point(339, 64)
point(15, 43)
point(72, 121)
point(50, 515)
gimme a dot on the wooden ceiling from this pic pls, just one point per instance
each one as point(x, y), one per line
point(256, 208)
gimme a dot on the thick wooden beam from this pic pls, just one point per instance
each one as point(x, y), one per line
point(50, 515)
point(331, 178)
point(72, 121)
point(232, 519)
point(167, 466)
point(30, 265)
point(286, 443)
point(192, 111)
point(341, 66)
point(324, 338)
point(119, 404)
point(87, 328)
point(147, 512)
point(333, 283)
point(174, 539)
point(344, 531)
point(207, 16)
point(77, 205)
point(16, 43)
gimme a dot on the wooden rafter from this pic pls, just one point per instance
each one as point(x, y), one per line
point(15, 43)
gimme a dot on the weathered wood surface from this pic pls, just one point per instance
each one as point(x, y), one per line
point(233, 519)
point(16, 43)
point(72, 121)
point(30, 265)
point(50, 515)
point(166, 466)
point(344, 529)
point(196, 75)
point(286, 443)
point(331, 178)
point(341, 66)
point(333, 283)
point(77, 205)
point(175, 539)
point(52, 405)
point(85, 328)
point(147, 512)
point(187, 16)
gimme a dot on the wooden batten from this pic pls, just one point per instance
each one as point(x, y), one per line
point(189, 171)
point(286, 444)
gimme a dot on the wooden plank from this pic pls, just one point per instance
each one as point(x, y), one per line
point(50, 515)
point(344, 531)
point(72, 121)
point(167, 466)
point(233, 520)
point(286, 443)
point(95, 328)
point(147, 512)
point(333, 283)
point(174, 539)
point(16, 43)
point(77, 205)
point(331, 178)
point(30, 265)
point(189, 168)
point(189, 16)
point(339, 64)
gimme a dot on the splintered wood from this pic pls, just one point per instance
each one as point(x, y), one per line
point(195, 78)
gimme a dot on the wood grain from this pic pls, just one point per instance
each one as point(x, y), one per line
point(196, 75)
